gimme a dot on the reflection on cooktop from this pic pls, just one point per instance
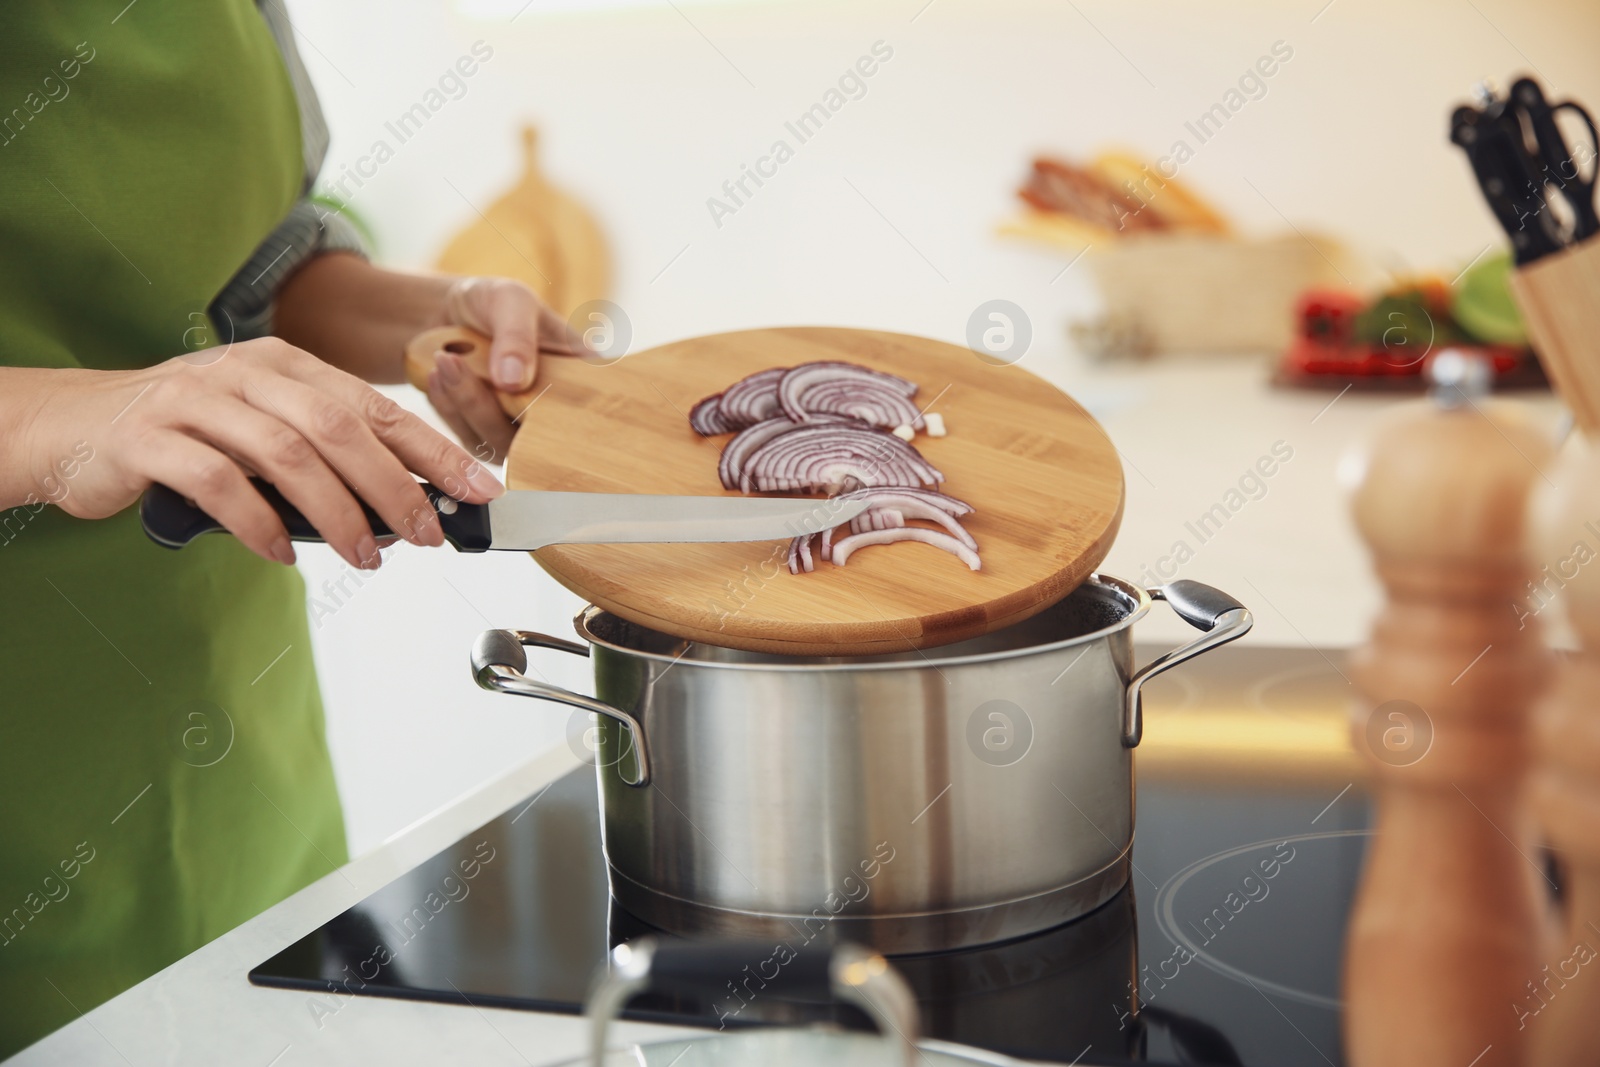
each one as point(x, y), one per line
point(1229, 937)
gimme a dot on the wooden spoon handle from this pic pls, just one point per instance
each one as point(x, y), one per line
point(469, 344)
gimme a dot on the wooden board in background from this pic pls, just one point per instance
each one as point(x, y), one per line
point(1044, 478)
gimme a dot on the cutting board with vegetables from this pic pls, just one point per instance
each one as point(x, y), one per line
point(1044, 480)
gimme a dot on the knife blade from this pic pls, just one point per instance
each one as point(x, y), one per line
point(525, 520)
point(529, 519)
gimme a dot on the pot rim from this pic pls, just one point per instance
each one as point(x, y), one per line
point(930, 658)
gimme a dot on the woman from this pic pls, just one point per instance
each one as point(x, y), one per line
point(163, 773)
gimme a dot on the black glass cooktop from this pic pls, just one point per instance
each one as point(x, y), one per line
point(1231, 931)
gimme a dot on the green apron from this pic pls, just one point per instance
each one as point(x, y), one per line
point(163, 770)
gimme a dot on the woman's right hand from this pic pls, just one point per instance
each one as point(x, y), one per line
point(201, 423)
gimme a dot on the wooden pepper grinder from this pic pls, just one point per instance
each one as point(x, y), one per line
point(1444, 930)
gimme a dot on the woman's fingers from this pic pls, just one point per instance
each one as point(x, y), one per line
point(471, 408)
point(284, 456)
point(350, 444)
point(513, 317)
point(557, 336)
point(326, 440)
point(403, 436)
point(522, 326)
point(219, 487)
point(445, 405)
point(507, 312)
point(514, 338)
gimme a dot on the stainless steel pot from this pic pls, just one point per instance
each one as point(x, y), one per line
point(915, 802)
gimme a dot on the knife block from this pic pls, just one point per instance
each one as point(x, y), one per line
point(1559, 297)
point(1444, 930)
point(1559, 1003)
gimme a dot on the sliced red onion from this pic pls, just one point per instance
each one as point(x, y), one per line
point(800, 555)
point(877, 519)
point(873, 402)
point(797, 381)
point(745, 442)
point(705, 418)
point(937, 538)
point(817, 427)
point(894, 496)
point(885, 518)
point(830, 457)
point(751, 399)
point(731, 466)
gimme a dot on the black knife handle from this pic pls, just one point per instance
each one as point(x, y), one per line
point(1510, 178)
point(172, 521)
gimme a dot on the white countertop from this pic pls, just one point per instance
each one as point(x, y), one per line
point(1191, 431)
point(203, 1010)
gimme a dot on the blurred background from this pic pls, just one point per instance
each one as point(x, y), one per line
point(901, 213)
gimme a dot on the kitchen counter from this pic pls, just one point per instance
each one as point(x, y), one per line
point(202, 1010)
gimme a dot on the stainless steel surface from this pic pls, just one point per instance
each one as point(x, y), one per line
point(627, 975)
point(498, 663)
point(855, 976)
point(1456, 378)
point(918, 801)
point(1228, 625)
point(899, 934)
point(527, 519)
point(866, 980)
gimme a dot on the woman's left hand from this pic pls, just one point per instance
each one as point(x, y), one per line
point(521, 328)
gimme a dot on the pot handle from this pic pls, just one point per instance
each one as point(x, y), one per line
point(1222, 618)
point(498, 663)
point(846, 971)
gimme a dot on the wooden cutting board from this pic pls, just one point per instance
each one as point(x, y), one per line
point(1043, 476)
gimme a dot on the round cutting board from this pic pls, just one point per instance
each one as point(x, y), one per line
point(1044, 478)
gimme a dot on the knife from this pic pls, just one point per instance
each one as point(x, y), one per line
point(525, 520)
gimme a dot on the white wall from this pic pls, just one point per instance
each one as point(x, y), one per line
point(647, 109)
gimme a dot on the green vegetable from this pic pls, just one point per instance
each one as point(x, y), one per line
point(1483, 304)
point(1406, 324)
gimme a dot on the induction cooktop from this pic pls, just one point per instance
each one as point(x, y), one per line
point(1229, 935)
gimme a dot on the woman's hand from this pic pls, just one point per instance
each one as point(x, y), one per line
point(521, 327)
point(320, 435)
point(360, 317)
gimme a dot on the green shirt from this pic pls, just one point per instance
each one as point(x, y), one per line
point(163, 770)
